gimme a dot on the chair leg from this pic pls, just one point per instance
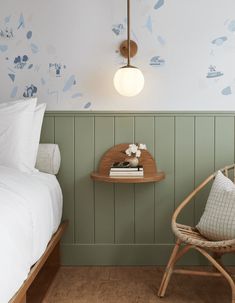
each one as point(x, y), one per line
point(168, 271)
point(220, 268)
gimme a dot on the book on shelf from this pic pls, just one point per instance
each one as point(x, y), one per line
point(141, 173)
point(124, 170)
point(127, 177)
point(126, 174)
point(125, 167)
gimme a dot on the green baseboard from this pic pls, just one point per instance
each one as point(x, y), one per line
point(126, 255)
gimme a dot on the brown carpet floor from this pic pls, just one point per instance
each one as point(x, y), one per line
point(132, 285)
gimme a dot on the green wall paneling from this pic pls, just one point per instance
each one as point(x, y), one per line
point(144, 213)
point(124, 193)
point(124, 130)
point(224, 141)
point(184, 165)
point(130, 224)
point(104, 193)
point(204, 159)
point(144, 132)
point(204, 163)
point(64, 136)
point(144, 193)
point(164, 191)
point(84, 186)
point(124, 213)
point(48, 130)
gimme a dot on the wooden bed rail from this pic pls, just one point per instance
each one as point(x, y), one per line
point(51, 257)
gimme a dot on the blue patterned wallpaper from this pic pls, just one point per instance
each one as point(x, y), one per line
point(66, 53)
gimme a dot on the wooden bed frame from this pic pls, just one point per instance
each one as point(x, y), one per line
point(43, 272)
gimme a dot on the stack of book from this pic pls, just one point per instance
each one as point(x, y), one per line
point(124, 170)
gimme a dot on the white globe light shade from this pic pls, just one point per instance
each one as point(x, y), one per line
point(128, 81)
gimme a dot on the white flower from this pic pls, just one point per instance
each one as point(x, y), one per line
point(142, 146)
point(128, 152)
point(138, 153)
point(133, 148)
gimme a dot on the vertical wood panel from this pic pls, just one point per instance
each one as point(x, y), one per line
point(144, 193)
point(144, 132)
point(64, 136)
point(144, 213)
point(124, 130)
point(104, 193)
point(184, 165)
point(84, 186)
point(124, 193)
point(48, 130)
point(224, 141)
point(204, 159)
point(164, 197)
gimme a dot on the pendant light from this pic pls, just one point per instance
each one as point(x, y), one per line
point(128, 80)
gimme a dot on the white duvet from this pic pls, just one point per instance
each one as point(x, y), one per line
point(30, 212)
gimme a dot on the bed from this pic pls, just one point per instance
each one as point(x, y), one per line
point(30, 203)
point(30, 214)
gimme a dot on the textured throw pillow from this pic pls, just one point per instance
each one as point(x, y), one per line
point(218, 219)
point(48, 158)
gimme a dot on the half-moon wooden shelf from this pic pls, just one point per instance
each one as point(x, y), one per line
point(117, 154)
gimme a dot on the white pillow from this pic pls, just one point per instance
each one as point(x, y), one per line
point(218, 220)
point(35, 134)
point(16, 120)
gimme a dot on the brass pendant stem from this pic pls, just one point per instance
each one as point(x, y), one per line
point(128, 48)
point(128, 33)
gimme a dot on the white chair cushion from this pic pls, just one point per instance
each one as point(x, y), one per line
point(218, 219)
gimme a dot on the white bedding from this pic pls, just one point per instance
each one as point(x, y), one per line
point(30, 212)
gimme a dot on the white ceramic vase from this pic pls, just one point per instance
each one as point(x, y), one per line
point(134, 161)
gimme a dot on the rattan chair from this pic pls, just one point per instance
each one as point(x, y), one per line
point(189, 237)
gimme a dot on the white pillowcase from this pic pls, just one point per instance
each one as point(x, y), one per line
point(35, 134)
point(218, 220)
point(16, 120)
